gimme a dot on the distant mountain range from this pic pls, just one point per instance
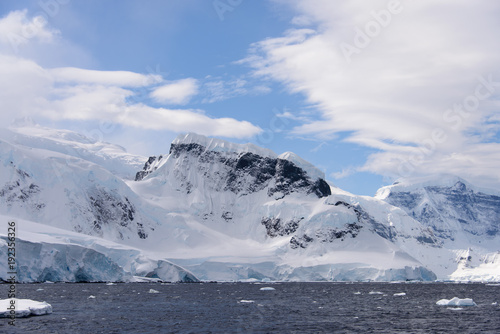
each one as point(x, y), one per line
point(208, 209)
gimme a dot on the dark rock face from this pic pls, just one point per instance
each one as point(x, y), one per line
point(330, 235)
point(364, 219)
point(276, 227)
point(109, 208)
point(22, 191)
point(148, 168)
point(300, 241)
point(246, 173)
point(436, 206)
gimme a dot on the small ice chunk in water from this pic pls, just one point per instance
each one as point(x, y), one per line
point(91, 297)
point(110, 283)
point(247, 301)
point(24, 307)
point(375, 293)
point(267, 288)
point(39, 289)
point(153, 291)
point(357, 293)
point(400, 294)
point(455, 301)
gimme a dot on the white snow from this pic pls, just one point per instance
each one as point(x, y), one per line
point(455, 301)
point(208, 230)
point(485, 268)
point(23, 308)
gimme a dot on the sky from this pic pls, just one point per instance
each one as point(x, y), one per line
point(368, 91)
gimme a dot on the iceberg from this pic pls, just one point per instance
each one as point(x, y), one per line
point(455, 301)
point(23, 308)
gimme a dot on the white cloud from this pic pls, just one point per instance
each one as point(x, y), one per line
point(17, 30)
point(71, 93)
point(176, 92)
point(344, 173)
point(400, 81)
point(219, 89)
point(116, 78)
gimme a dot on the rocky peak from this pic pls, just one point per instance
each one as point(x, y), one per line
point(150, 166)
point(243, 168)
point(447, 205)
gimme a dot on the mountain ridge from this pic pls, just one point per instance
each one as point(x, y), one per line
point(215, 206)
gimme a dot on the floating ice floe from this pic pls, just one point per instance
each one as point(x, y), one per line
point(357, 293)
point(267, 288)
point(153, 291)
point(375, 293)
point(400, 294)
point(110, 283)
point(247, 301)
point(91, 297)
point(456, 302)
point(23, 308)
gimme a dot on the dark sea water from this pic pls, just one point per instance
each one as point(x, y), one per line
point(244, 308)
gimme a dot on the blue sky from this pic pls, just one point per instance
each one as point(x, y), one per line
point(366, 92)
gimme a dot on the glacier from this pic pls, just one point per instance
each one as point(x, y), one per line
point(209, 209)
point(46, 253)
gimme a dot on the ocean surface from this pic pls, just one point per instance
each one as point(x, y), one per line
point(244, 308)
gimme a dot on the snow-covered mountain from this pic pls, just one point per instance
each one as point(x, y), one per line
point(218, 210)
point(463, 218)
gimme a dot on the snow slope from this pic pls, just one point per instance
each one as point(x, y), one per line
point(223, 211)
point(69, 192)
point(465, 219)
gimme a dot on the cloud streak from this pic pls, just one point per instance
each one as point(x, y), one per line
point(402, 86)
point(177, 92)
